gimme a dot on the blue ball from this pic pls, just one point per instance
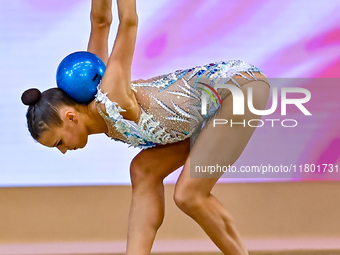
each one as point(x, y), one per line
point(79, 74)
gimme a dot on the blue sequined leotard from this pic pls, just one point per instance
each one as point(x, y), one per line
point(171, 104)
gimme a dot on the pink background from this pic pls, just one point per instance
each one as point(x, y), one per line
point(287, 39)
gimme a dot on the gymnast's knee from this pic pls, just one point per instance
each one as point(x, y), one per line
point(187, 200)
point(141, 174)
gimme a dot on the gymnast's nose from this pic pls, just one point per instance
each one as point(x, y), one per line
point(62, 149)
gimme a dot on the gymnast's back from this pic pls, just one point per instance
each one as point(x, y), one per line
point(171, 103)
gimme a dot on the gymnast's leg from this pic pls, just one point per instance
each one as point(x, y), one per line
point(218, 145)
point(148, 169)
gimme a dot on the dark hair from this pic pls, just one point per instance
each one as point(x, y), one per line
point(43, 108)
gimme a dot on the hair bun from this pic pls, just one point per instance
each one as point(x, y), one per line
point(31, 96)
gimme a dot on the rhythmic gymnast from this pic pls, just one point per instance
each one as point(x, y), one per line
point(160, 115)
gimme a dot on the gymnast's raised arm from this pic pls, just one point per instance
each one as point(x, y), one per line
point(117, 77)
point(101, 19)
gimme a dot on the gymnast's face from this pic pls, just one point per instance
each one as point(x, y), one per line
point(71, 135)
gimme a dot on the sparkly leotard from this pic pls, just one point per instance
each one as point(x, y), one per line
point(171, 104)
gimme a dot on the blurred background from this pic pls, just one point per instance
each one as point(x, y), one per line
point(78, 203)
point(289, 40)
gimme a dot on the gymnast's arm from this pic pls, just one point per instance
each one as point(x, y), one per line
point(101, 19)
point(117, 77)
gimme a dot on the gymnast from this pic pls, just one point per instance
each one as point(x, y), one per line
point(162, 117)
